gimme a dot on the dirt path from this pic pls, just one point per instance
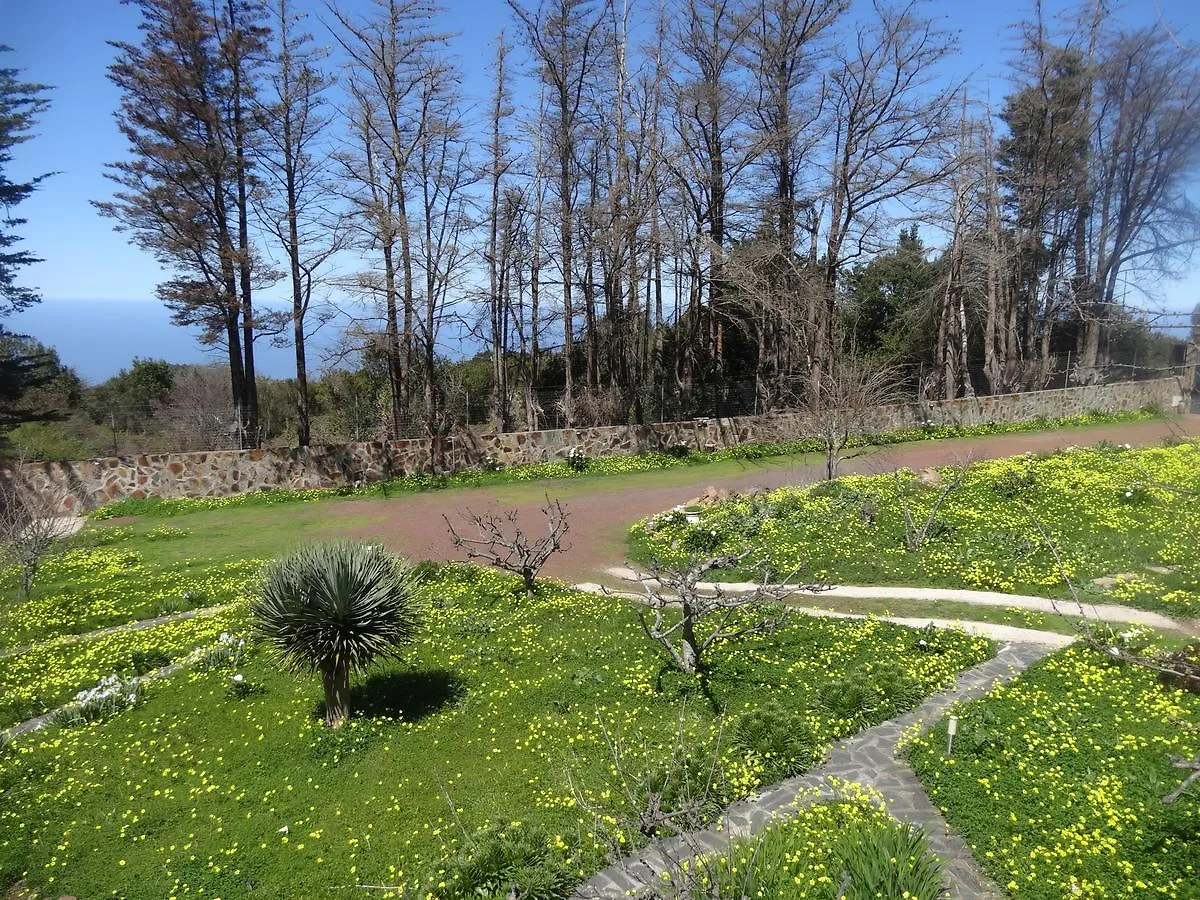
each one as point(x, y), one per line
point(602, 509)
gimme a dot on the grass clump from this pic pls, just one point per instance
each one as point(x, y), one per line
point(850, 849)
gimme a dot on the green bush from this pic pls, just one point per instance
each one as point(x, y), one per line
point(508, 860)
point(851, 698)
point(146, 661)
point(781, 736)
point(891, 860)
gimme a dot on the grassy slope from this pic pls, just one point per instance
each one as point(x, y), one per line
point(499, 698)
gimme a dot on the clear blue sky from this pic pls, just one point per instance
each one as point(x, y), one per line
point(86, 264)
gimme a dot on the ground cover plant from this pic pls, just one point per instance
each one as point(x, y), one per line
point(577, 465)
point(223, 779)
point(1104, 509)
point(1057, 780)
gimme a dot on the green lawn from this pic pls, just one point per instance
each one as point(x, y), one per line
point(1103, 510)
point(1056, 780)
point(195, 790)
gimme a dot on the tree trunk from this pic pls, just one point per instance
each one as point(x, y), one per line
point(336, 680)
point(689, 647)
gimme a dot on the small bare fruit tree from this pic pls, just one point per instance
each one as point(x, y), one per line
point(504, 544)
point(843, 406)
point(29, 524)
point(688, 622)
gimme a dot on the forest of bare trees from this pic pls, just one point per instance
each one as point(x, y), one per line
point(654, 199)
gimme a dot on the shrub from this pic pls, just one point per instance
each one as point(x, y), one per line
point(145, 661)
point(334, 609)
point(508, 860)
point(577, 460)
point(780, 736)
point(850, 698)
point(228, 651)
point(888, 859)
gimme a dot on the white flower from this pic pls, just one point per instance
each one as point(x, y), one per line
point(283, 830)
point(1114, 651)
point(239, 678)
point(922, 643)
point(1129, 493)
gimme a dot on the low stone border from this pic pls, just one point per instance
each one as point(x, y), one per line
point(139, 625)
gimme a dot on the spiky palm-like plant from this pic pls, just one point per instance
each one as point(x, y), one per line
point(334, 609)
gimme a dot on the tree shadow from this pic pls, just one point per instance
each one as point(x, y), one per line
point(410, 696)
point(670, 681)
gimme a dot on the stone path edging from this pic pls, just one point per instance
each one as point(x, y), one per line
point(868, 758)
point(139, 625)
point(1101, 612)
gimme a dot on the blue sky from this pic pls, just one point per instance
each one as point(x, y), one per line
point(87, 265)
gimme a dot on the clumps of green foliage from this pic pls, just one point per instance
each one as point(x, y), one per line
point(781, 737)
point(508, 859)
point(849, 849)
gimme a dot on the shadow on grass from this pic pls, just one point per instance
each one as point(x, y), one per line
point(410, 696)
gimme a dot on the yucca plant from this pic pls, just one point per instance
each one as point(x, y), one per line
point(334, 609)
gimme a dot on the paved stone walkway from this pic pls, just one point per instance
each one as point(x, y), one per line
point(868, 758)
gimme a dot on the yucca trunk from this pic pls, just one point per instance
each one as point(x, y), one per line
point(336, 678)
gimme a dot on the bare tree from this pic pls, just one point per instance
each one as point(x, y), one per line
point(563, 37)
point(390, 53)
point(689, 623)
point(890, 117)
point(1146, 148)
point(500, 236)
point(503, 543)
point(844, 403)
point(30, 522)
point(293, 202)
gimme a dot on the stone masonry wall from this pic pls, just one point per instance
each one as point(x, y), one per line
point(88, 484)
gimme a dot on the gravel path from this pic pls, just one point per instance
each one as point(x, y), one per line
point(990, 630)
point(868, 758)
point(602, 509)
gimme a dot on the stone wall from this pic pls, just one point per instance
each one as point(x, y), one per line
point(84, 485)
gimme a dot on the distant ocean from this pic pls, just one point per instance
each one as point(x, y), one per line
point(98, 338)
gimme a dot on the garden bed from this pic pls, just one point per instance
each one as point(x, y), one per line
point(1057, 780)
point(506, 711)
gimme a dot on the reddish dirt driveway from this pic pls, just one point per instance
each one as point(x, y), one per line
point(602, 509)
